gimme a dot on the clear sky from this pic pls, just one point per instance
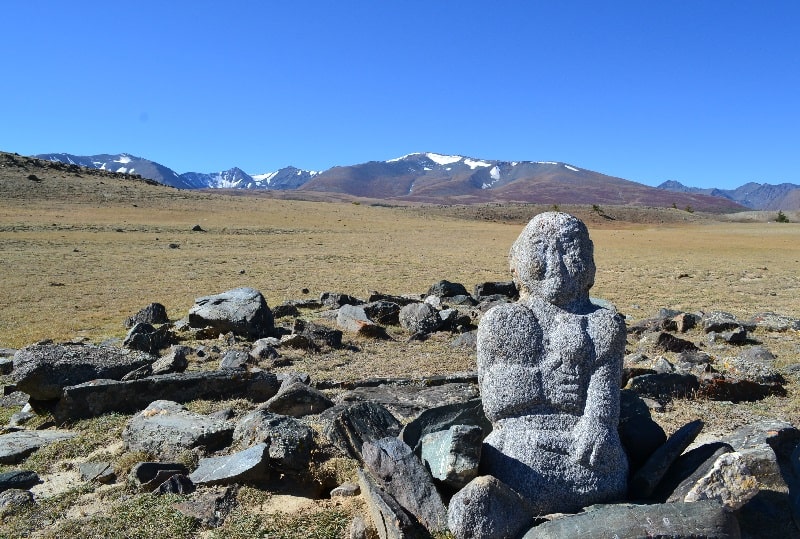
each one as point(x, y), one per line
point(703, 92)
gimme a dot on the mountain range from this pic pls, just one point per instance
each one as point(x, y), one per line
point(454, 179)
point(758, 196)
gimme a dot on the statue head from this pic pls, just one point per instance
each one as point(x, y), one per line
point(553, 259)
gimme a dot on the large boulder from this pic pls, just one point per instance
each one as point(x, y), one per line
point(244, 311)
point(43, 370)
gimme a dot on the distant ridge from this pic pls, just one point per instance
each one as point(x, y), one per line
point(757, 196)
point(430, 178)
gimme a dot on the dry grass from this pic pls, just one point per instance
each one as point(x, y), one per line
point(69, 272)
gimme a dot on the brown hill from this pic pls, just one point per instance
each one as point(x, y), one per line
point(461, 180)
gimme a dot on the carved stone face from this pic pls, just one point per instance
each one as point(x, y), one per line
point(553, 259)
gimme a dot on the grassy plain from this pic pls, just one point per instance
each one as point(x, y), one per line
point(82, 252)
point(79, 268)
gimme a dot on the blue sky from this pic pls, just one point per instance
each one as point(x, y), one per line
point(703, 92)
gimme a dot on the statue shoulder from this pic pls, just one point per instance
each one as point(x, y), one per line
point(507, 315)
point(508, 333)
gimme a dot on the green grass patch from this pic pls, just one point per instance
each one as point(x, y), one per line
point(326, 524)
point(139, 517)
point(93, 434)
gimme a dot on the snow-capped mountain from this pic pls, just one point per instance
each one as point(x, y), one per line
point(429, 177)
point(234, 178)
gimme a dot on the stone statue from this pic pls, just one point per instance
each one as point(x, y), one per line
point(549, 371)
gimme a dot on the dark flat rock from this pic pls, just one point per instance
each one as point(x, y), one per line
point(15, 446)
point(646, 479)
point(23, 479)
point(699, 519)
point(43, 370)
point(102, 396)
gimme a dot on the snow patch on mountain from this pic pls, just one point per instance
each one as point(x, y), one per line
point(571, 168)
point(475, 164)
point(266, 178)
point(440, 159)
point(406, 156)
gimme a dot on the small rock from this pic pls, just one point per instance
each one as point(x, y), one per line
point(16, 446)
point(647, 478)
point(348, 426)
point(155, 313)
point(298, 400)
point(243, 311)
point(166, 429)
point(23, 479)
point(245, 467)
point(671, 343)
point(346, 490)
point(664, 386)
point(14, 498)
point(149, 475)
point(264, 349)
point(719, 321)
point(486, 509)
point(504, 288)
point(700, 519)
point(729, 482)
point(291, 442)
point(390, 519)
point(383, 312)
point(176, 484)
point(446, 289)
point(775, 322)
point(285, 310)
point(235, 360)
point(419, 318)
point(146, 338)
point(453, 455)
point(211, 506)
point(102, 472)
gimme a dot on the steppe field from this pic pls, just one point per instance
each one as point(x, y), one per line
point(82, 252)
point(78, 259)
